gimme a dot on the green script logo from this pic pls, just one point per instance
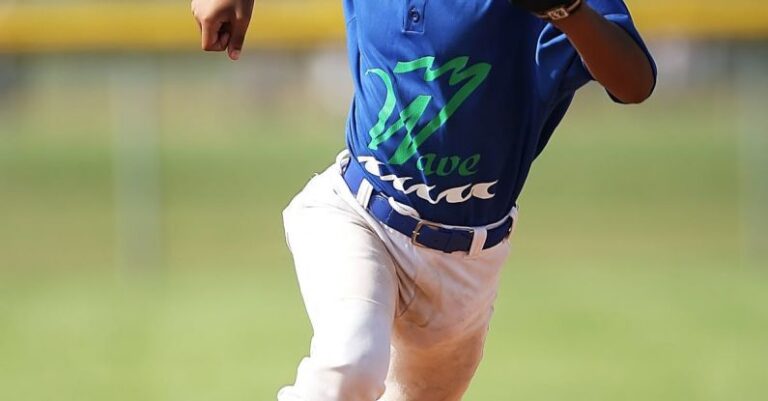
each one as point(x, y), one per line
point(470, 76)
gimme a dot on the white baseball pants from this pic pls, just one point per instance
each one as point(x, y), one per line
point(392, 321)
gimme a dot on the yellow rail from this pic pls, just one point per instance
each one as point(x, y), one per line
point(295, 24)
point(149, 26)
point(740, 19)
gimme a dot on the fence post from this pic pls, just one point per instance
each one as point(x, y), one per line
point(135, 126)
point(752, 90)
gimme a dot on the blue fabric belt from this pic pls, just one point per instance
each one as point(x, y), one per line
point(422, 233)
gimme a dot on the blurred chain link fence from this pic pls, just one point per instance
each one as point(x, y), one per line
point(128, 65)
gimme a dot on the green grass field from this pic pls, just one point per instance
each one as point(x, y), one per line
point(627, 281)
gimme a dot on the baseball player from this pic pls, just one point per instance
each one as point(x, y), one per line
point(399, 244)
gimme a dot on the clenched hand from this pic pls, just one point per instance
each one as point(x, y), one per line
point(223, 24)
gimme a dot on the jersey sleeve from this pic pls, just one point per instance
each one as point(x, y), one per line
point(561, 69)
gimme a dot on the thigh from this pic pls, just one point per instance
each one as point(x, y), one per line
point(347, 280)
point(438, 341)
point(337, 256)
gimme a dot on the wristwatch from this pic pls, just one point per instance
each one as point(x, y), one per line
point(562, 12)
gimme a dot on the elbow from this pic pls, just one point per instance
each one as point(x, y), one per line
point(636, 94)
point(638, 90)
point(637, 97)
point(633, 84)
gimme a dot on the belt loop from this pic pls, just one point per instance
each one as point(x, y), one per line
point(478, 241)
point(514, 213)
point(342, 160)
point(364, 193)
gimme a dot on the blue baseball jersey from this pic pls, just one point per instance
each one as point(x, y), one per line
point(454, 99)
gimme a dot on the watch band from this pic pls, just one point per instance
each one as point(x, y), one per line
point(562, 12)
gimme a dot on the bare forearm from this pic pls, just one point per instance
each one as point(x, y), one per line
point(610, 54)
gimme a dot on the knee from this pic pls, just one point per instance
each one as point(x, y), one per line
point(353, 377)
point(364, 378)
point(361, 375)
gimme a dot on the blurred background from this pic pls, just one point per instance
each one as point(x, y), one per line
point(141, 185)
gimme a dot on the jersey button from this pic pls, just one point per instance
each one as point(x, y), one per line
point(414, 15)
